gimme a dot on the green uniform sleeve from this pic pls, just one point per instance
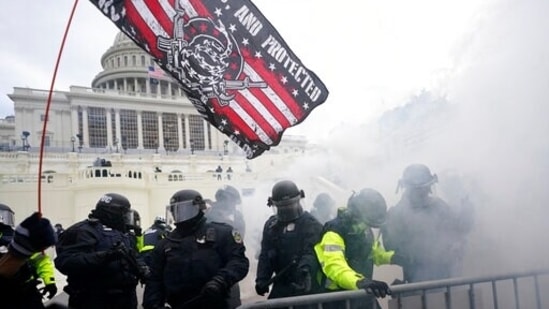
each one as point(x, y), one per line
point(331, 255)
point(140, 243)
point(44, 267)
point(379, 255)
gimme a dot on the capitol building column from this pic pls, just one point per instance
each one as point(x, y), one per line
point(160, 133)
point(85, 133)
point(187, 132)
point(117, 125)
point(140, 130)
point(109, 127)
point(206, 140)
point(74, 112)
point(179, 133)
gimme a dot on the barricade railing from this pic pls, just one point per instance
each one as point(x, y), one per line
point(518, 290)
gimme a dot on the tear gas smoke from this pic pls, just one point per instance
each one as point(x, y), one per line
point(483, 131)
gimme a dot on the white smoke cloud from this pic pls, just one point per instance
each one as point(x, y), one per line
point(493, 133)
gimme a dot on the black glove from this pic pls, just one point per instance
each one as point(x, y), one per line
point(113, 254)
point(144, 272)
point(304, 283)
point(34, 234)
point(136, 230)
point(217, 287)
point(378, 288)
point(261, 288)
point(49, 290)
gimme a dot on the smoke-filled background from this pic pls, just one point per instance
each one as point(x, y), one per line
point(483, 130)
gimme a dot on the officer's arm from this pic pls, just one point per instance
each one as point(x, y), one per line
point(311, 237)
point(264, 263)
point(237, 266)
point(154, 295)
point(330, 254)
point(391, 231)
point(379, 255)
point(44, 267)
point(76, 253)
point(139, 242)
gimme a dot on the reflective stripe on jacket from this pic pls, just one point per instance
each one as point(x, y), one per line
point(330, 252)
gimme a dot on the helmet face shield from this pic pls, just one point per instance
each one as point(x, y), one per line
point(183, 211)
point(7, 218)
point(374, 217)
point(132, 218)
point(288, 211)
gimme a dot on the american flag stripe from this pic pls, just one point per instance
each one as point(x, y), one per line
point(164, 19)
point(134, 13)
point(168, 7)
point(273, 97)
point(250, 122)
point(261, 116)
point(155, 72)
point(265, 113)
point(277, 92)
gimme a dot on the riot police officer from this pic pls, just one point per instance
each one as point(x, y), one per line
point(423, 229)
point(323, 207)
point(224, 210)
point(98, 257)
point(198, 262)
point(287, 245)
point(157, 231)
point(348, 249)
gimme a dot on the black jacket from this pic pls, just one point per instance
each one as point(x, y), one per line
point(429, 238)
point(287, 243)
point(79, 258)
point(186, 260)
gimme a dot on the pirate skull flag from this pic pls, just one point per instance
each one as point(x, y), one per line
point(233, 65)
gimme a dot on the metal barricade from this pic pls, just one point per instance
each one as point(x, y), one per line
point(520, 290)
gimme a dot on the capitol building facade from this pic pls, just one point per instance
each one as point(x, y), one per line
point(128, 133)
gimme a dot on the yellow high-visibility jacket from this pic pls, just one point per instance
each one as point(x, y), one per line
point(44, 267)
point(335, 260)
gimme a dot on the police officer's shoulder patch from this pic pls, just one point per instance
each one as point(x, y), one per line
point(237, 237)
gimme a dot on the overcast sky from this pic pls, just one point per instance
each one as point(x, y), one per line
point(372, 55)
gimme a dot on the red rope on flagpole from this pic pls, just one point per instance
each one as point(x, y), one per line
point(48, 107)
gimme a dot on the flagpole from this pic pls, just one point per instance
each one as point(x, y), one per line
point(48, 104)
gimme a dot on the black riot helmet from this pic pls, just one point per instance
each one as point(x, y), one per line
point(324, 201)
point(368, 205)
point(113, 210)
point(159, 220)
point(7, 216)
point(285, 196)
point(186, 205)
point(417, 176)
point(228, 194)
point(114, 202)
